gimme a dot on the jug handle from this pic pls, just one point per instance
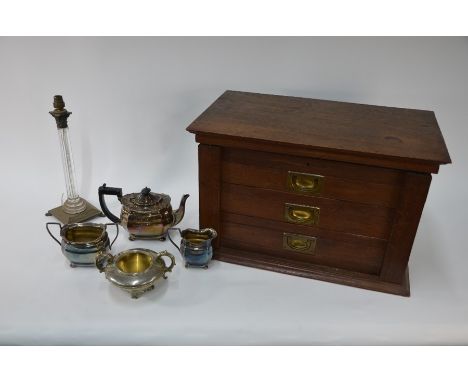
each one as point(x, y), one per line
point(50, 233)
point(169, 268)
point(104, 190)
point(116, 235)
point(170, 239)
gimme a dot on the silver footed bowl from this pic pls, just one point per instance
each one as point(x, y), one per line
point(135, 270)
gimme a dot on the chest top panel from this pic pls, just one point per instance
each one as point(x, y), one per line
point(335, 127)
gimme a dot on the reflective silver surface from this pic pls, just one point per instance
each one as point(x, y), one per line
point(146, 214)
point(81, 242)
point(195, 246)
point(135, 270)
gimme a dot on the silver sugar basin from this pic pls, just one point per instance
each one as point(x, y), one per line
point(81, 242)
point(135, 270)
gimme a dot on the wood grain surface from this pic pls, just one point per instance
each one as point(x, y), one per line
point(355, 253)
point(374, 165)
point(342, 181)
point(335, 215)
point(386, 132)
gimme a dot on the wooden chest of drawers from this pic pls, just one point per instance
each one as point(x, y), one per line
point(328, 190)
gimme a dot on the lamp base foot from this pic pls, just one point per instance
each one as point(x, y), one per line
point(89, 213)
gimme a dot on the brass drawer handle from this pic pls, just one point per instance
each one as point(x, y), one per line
point(305, 183)
point(300, 214)
point(299, 243)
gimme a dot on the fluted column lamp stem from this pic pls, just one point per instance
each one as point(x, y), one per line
point(73, 208)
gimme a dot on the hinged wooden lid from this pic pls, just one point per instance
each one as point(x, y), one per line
point(383, 136)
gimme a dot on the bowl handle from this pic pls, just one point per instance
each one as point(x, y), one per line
point(167, 268)
point(50, 233)
point(102, 260)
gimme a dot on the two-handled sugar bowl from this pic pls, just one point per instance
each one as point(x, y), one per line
point(81, 242)
point(195, 246)
point(145, 214)
point(135, 270)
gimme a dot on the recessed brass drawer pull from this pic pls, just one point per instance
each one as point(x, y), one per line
point(300, 214)
point(299, 243)
point(305, 183)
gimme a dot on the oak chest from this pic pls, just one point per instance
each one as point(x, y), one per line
point(322, 189)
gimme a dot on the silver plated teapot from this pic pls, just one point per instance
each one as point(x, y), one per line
point(145, 214)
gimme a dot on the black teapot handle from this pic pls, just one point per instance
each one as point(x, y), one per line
point(104, 190)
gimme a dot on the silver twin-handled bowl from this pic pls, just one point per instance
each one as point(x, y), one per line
point(195, 246)
point(81, 242)
point(135, 270)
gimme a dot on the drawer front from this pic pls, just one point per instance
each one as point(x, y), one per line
point(313, 177)
point(335, 215)
point(353, 253)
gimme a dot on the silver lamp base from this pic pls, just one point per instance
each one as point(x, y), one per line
point(89, 213)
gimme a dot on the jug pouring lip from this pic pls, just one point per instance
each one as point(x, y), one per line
point(197, 237)
point(210, 232)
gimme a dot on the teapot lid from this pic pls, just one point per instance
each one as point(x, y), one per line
point(146, 200)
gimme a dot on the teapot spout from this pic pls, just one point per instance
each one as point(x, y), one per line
point(179, 214)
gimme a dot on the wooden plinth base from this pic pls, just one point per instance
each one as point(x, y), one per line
point(312, 271)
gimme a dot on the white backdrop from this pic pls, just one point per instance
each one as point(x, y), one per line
point(131, 100)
